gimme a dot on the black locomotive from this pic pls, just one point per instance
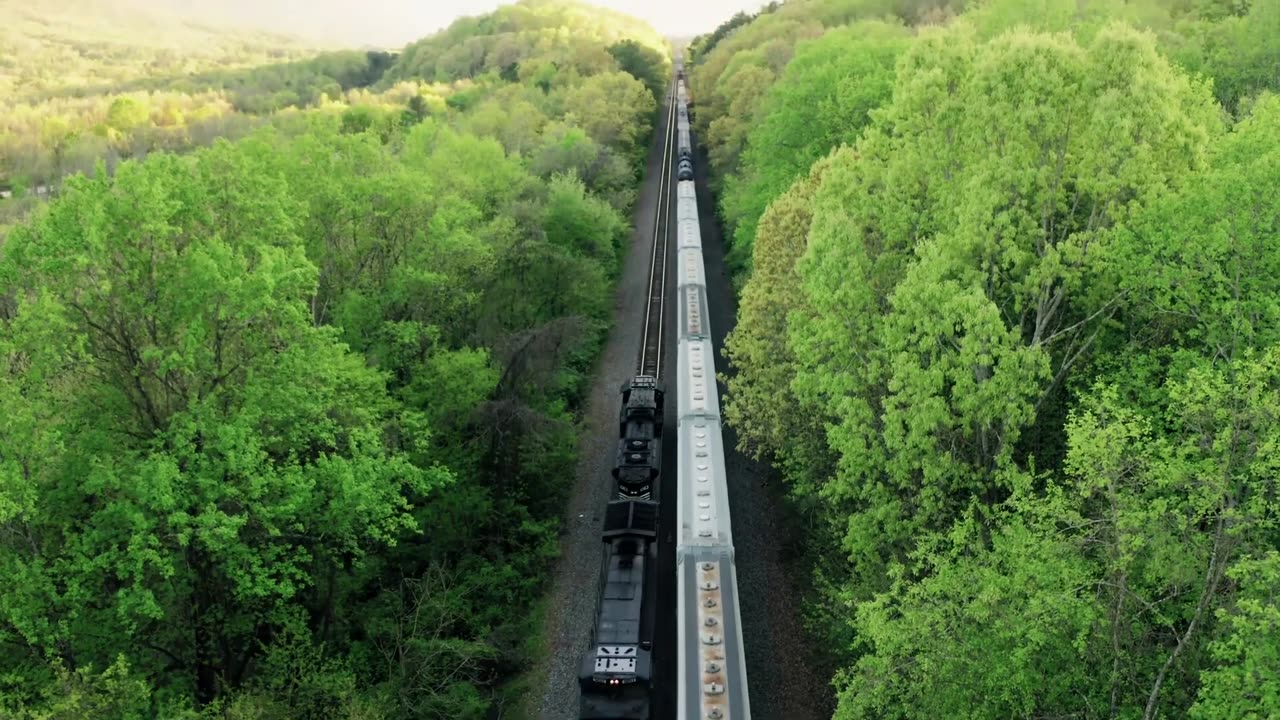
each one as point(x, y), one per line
point(616, 674)
point(639, 438)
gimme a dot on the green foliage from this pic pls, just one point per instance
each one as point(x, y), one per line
point(1101, 592)
point(991, 633)
point(993, 17)
point(760, 403)
point(567, 149)
point(248, 445)
point(512, 115)
point(1013, 348)
point(583, 224)
point(823, 99)
point(300, 83)
point(85, 693)
point(763, 125)
point(612, 108)
point(1240, 52)
point(53, 49)
point(1200, 265)
point(947, 270)
point(1242, 685)
point(704, 44)
point(135, 99)
point(643, 63)
point(764, 116)
point(126, 113)
point(559, 37)
point(289, 419)
point(760, 49)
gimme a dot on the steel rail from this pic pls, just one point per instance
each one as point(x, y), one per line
point(650, 362)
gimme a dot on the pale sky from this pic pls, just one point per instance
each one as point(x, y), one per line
point(396, 22)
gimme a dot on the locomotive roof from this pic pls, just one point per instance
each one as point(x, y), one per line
point(620, 603)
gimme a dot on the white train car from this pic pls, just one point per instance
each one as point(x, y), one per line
point(712, 672)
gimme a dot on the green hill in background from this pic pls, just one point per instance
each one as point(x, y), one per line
point(87, 81)
point(78, 46)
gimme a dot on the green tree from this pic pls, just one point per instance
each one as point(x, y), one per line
point(1199, 267)
point(613, 108)
point(568, 149)
point(947, 273)
point(726, 135)
point(993, 630)
point(823, 99)
point(514, 121)
point(760, 404)
point(127, 113)
point(1097, 595)
point(644, 64)
point(222, 453)
point(1241, 684)
point(86, 693)
point(1240, 52)
point(583, 224)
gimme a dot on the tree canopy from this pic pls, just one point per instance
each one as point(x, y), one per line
point(777, 90)
point(822, 100)
point(1011, 340)
point(289, 416)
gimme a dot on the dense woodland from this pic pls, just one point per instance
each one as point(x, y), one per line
point(290, 365)
point(287, 420)
point(1010, 330)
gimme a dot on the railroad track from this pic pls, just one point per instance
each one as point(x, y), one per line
point(650, 360)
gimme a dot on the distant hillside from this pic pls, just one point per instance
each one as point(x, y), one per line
point(89, 80)
point(79, 46)
point(378, 24)
point(560, 33)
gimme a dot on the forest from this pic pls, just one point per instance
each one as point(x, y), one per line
point(288, 366)
point(1009, 330)
point(290, 371)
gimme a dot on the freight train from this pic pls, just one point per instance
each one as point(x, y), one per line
point(617, 673)
point(711, 677)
